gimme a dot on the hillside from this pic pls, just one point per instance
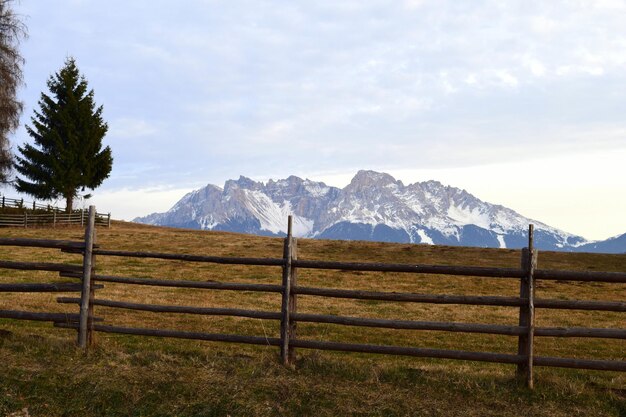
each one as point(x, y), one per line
point(127, 375)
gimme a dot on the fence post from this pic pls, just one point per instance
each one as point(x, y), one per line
point(285, 305)
point(92, 291)
point(293, 300)
point(54, 219)
point(527, 311)
point(86, 290)
point(2, 201)
point(25, 220)
point(109, 220)
point(82, 216)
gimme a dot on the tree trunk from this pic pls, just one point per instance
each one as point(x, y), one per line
point(69, 202)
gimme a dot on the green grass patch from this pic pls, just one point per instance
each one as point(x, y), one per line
point(44, 373)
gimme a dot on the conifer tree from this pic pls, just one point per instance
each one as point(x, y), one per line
point(11, 31)
point(67, 154)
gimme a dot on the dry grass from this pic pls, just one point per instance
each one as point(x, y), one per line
point(127, 375)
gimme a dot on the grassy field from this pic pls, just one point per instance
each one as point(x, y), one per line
point(44, 374)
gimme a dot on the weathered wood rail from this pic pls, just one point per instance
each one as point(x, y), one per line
point(288, 316)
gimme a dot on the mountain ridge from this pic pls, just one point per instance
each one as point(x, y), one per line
point(373, 206)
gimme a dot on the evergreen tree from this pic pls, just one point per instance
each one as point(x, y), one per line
point(67, 154)
point(11, 31)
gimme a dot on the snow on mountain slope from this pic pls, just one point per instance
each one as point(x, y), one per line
point(374, 206)
point(273, 215)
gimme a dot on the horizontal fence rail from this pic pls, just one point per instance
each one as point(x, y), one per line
point(468, 271)
point(289, 289)
point(45, 287)
point(592, 276)
point(40, 266)
point(209, 285)
point(207, 311)
point(42, 243)
point(29, 315)
point(410, 297)
point(36, 316)
point(581, 305)
point(194, 258)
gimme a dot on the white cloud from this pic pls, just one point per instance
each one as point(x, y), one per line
point(543, 25)
point(132, 128)
point(414, 4)
point(127, 203)
point(212, 90)
point(506, 78)
point(536, 67)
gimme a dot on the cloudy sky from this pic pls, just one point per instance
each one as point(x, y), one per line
point(522, 103)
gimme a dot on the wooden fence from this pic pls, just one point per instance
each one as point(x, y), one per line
point(526, 331)
point(7, 202)
point(32, 214)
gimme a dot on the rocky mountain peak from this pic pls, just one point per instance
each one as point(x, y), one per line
point(290, 181)
point(242, 182)
point(369, 179)
point(374, 206)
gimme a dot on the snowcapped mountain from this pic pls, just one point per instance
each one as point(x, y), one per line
point(616, 244)
point(374, 206)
